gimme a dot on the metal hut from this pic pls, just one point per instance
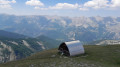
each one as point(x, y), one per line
point(71, 48)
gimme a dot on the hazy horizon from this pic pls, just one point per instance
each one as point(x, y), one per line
point(59, 15)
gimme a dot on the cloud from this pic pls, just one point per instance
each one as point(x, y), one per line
point(5, 6)
point(41, 8)
point(64, 6)
point(115, 3)
point(59, 6)
point(83, 9)
point(6, 3)
point(96, 4)
point(34, 3)
point(13, 1)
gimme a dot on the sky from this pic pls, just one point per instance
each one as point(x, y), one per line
point(72, 8)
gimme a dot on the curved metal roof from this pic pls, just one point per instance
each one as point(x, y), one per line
point(75, 47)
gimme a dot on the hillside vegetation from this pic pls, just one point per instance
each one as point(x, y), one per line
point(6, 34)
point(13, 49)
point(95, 56)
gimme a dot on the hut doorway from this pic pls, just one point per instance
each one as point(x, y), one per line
point(63, 49)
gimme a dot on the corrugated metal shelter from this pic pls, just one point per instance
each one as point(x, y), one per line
point(71, 48)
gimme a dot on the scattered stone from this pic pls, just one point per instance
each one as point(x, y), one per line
point(53, 55)
point(65, 57)
point(84, 56)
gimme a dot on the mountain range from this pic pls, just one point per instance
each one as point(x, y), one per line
point(85, 29)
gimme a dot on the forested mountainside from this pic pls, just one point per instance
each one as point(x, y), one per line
point(11, 35)
point(16, 47)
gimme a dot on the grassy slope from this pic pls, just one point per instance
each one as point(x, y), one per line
point(95, 56)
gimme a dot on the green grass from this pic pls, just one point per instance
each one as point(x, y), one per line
point(95, 56)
